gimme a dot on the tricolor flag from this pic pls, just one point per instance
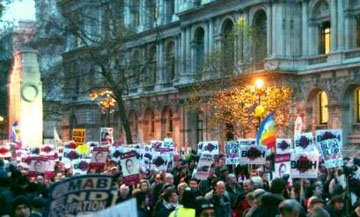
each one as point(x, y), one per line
point(266, 136)
point(15, 133)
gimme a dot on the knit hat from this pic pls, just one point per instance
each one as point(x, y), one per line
point(21, 200)
point(38, 203)
point(188, 198)
point(203, 205)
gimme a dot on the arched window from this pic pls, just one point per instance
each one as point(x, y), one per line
point(357, 31)
point(199, 39)
point(135, 14)
point(200, 127)
point(323, 108)
point(170, 61)
point(135, 63)
point(321, 20)
point(227, 39)
point(357, 110)
point(133, 122)
point(260, 45)
point(152, 123)
point(151, 65)
point(149, 125)
point(170, 122)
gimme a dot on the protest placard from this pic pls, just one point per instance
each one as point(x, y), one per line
point(127, 208)
point(247, 142)
point(80, 166)
point(252, 154)
point(208, 147)
point(80, 195)
point(129, 167)
point(283, 146)
point(106, 136)
point(68, 155)
point(168, 143)
point(232, 152)
point(83, 150)
point(304, 142)
point(161, 161)
point(78, 136)
point(330, 150)
point(304, 165)
point(204, 166)
point(5, 151)
point(282, 165)
point(47, 150)
point(99, 155)
point(322, 135)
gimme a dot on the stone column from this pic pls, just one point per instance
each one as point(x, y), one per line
point(269, 29)
point(348, 33)
point(334, 25)
point(305, 29)
point(127, 14)
point(188, 51)
point(341, 25)
point(314, 40)
point(160, 71)
point(177, 129)
point(143, 14)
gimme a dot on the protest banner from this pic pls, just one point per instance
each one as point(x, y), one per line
point(5, 151)
point(322, 135)
point(209, 147)
point(304, 142)
point(78, 136)
point(80, 166)
point(127, 208)
point(330, 150)
point(304, 165)
point(106, 136)
point(47, 150)
point(204, 166)
point(38, 164)
point(129, 167)
point(283, 146)
point(232, 152)
point(156, 144)
point(168, 143)
point(80, 195)
point(252, 154)
point(99, 156)
point(161, 161)
point(93, 144)
point(247, 142)
point(282, 165)
point(115, 153)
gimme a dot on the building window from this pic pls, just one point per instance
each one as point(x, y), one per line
point(199, 48)
point(170, 122)
point(260, 25)
point(152, 123)
point(358, 31)
point(135, 8)
point(151, 66)
point(200, 127)
point(170, 10)
point(152, 10)
point(325, 38)
point(170, 62)
point(227, 44)
point(323, 107)
point(358, 105)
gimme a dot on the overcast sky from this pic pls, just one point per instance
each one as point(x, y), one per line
point(20, 10)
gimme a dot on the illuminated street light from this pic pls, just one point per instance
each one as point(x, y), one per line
point(259, 83)
point(1, 118)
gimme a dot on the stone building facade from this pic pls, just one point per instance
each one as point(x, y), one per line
point(311, 45)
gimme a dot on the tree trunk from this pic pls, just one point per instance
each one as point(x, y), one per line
point(124, 120)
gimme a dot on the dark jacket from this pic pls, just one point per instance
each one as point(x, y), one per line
point(333, 212)
point(269, 206)
point(234, 193)
point(222, 206)
point(165, 212)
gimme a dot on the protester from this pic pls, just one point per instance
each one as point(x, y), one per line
point(124, 191)
point(187, 209)
point(170, 202)
point(221, 202)
point(205, 208)
point(21, 206)
point(335, 208)
point(38, 205)
point(289, 208)
point(315, 208)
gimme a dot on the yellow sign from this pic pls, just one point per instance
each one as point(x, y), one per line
point(83, 149)
point(78, 136)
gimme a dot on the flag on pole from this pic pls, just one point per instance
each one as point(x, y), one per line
point(57, 140)
point(266, 136)
point(15, 133)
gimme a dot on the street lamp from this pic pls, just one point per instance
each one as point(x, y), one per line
point(259, 83)
point(1, 118)
point(259, 110)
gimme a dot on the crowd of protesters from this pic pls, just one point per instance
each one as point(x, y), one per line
point(229, 191)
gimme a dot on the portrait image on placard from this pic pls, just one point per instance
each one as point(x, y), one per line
point(129, 166)
point(106, 136)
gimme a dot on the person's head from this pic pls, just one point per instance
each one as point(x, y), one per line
point(171, 196)
point(129, 165)
point(194, 184)
point(188, 198)
point(224, 170)
point(220, 163)
point(220, 188)
point(295, 190)
point(169, 178)
point(144, 185)
point(314, 202)
point(124, 190)
point(204, 208)
point(98, 156)
point(258, 194)
point(38, 204)
point(289, 208)
point(231, 179)
point(318, 189)
point(337, 202)
point(40, 179)
point(250, 198)
point(248, 186)
point(181, 188)
point(21, 206)
point(278, 186)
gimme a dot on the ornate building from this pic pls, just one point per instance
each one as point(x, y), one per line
point(311, 45)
